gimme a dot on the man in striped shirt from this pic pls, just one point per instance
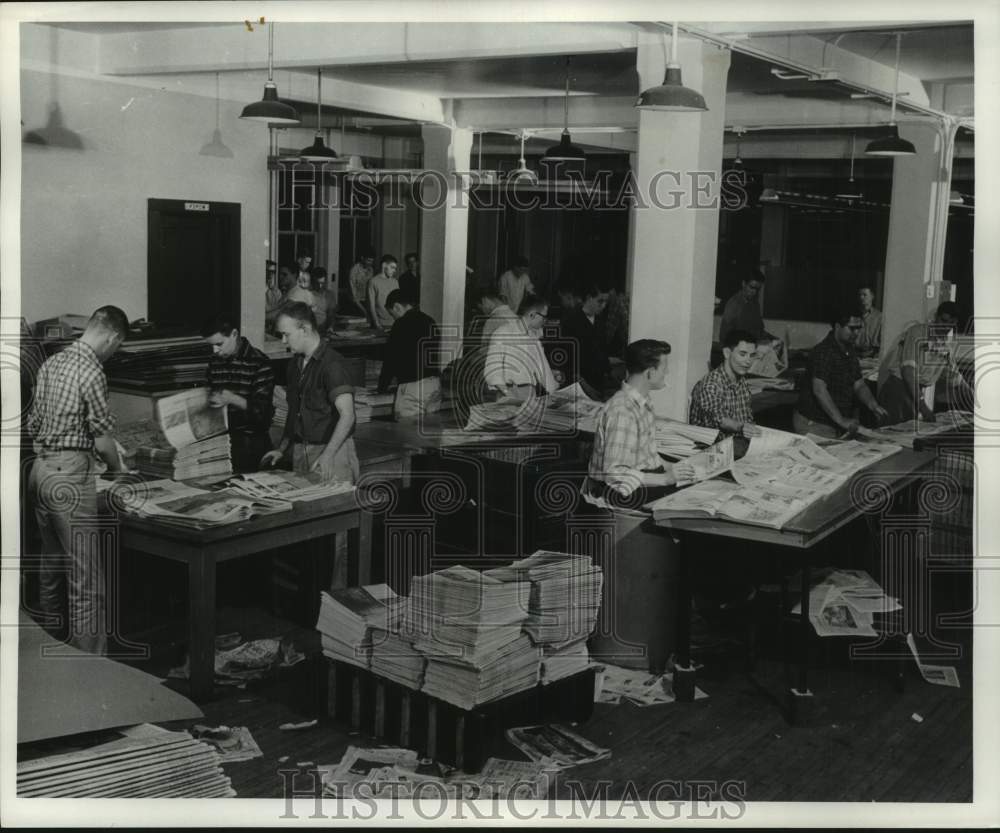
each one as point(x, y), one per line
point(242, 380)
point(624, 462)
point(70, 421)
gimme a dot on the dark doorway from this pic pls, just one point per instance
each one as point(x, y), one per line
point(193, 263)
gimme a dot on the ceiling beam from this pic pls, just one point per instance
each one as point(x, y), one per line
point(595, 113)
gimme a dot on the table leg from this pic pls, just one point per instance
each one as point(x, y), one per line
point(801, 703)
point(684, 677)
point(201, 625)
point(360, 543)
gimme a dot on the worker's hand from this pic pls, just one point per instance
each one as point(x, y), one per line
point(750, 429)
point(850, 427)
point(323, 466)
point(680, 472)
point(271, 459)
point(219, 398)
point(559, 376)
point(880, 412)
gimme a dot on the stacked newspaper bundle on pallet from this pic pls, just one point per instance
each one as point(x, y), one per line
point(394, 657)
point(678, 439)
point(178, 503)
point(187, 439)
point(562, 608)
point(287, 485)
point(348, 616)
point(148, 762)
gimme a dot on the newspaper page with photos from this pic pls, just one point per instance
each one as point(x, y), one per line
point(187, 417)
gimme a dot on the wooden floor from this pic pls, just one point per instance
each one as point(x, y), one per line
point(866, 747)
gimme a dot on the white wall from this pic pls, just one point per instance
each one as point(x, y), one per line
point(84, 212)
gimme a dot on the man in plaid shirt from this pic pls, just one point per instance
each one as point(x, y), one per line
point(70, 421)
point(624, 462)
point(721, 399)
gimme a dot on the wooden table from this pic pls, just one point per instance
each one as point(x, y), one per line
point(202, 550)
point(799, 536)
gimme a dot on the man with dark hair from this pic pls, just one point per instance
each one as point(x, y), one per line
point(826, 405)
point(495, 313)
point(588, 361)
point(515, 283)
point(241, 380)
point(320, 420)
point(326, 298)
point(409, 281)
point(358, 278)
point(742, 310)
point(912, 367)
point(624, 459)
point(379, 288)
point(515, 362)
point(721, 399)
point(70, 421)
point(411, 355)
point(273, 295)
point(870, 337)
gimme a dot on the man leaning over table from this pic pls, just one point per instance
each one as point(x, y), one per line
point(320, 421)
point(827, 406)
point(624, 460)
point(721, 398)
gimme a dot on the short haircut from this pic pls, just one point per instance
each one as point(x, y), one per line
point(300, 312)
point(269, 263)
point(408, 255)
point(399, 296)
point(644, 354)
point(388, 259)
point(532, 302)
point(520, 262)
point(318, 272)
point(839, 316)
point(949, 308)
point(366, 253)
point(589, 288)
point(734, 337)
point(865, 286)
point(490, 292)
point(754, 275)
point(221, 322)
point(110, 319)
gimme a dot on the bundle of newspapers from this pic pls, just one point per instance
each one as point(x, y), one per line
point(289, 486)
point(678, 439)
point(348, 616)
point(394, 657)
point(188, 438)
point(369, 403)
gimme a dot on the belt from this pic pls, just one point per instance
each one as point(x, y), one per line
point(67, 448)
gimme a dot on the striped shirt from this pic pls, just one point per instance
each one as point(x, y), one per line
point(716, 397)
point(625, 441)
point(71, 401)
point(247, 372)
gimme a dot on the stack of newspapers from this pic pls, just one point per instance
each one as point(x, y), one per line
point(678, 439)
point(182, 505)
point(394, 657)
point(348, 616)
point(287, 485)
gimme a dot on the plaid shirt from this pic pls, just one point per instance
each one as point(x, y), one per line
point(71, 401)
point(625, 441)
point(716, 396)
point(840, 369)
point(247, 372)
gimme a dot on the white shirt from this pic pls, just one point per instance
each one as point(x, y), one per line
point(500, 316)
point(515, 357)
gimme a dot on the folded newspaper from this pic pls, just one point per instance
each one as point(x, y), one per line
point(555, 745)
point(178, 503)
point(286, 485)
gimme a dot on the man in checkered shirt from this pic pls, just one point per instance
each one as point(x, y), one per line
point(721, 399)
point(625, 462)
point(71, 422)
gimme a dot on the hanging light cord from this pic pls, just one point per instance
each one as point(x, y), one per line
point(895, 82)
point(319, 100)
point(673, 45)
point(852, 157)
point(566, 99)
point(270, 52)
point(521, 160)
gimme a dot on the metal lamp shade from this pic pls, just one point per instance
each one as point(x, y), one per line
point(891, 145)
point(672, 95)
point(317, 151)
point(565, 151)
point(269, 109)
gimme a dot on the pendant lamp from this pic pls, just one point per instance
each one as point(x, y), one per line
point(565, 151)
point(672, 96)
point(523, 175)
point(891, 144)
point(269, 109)
point(318, 151)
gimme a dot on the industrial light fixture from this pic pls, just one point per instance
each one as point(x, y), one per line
point(672, 96)
point(269, 109)
point(523, 175)
point(768, 195)
point(318, 151)
point(565, 151)
point(891, 144)
point(851, 192)
point(738, 161)
point(216, 147)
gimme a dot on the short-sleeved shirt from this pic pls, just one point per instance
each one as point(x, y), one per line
point(741, 314)
point(71, 401)
point(716, 397)
point(313, 386)
point(247, 372)
point(870, 337)
point(513, 288)
point(929, 357)
point(379, 288)
point(839, 367)
point(516, 357)
point(625, 441)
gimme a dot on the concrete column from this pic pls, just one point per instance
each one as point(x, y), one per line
point(676, 221)
point(444, 201)
point(918, 217)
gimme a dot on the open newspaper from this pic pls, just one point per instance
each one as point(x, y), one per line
point(904, 433)
point(179, 503)
point(770, 505)
point(770, 360)
point(287, 485)
point(567, 409)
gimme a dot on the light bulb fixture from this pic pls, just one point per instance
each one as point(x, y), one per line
point(851, 192)
point(891, 144)
point(318, 151)
point(738, 161)
point(768, 195)
point(269, 109)
point(672, 96)
point(523, 175)
point(565, 151)
point(216, 147)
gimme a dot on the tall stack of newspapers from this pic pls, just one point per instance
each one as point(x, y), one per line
point(563, 606)
point(468, 625)
point(347, 618)
point(188, 438)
